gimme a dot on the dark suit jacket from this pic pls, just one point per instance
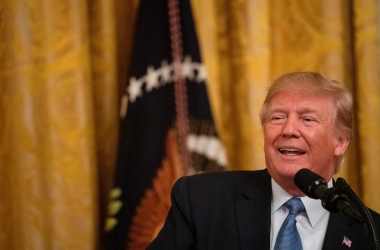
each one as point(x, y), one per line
point(231, 210)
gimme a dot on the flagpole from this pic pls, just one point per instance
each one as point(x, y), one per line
point(180, 90)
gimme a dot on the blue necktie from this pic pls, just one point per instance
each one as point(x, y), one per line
point(288, 237)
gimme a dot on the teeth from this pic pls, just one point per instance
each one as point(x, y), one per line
point(291, 151)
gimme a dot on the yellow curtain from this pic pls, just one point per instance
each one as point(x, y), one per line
point(63, 63)
point(59, 92)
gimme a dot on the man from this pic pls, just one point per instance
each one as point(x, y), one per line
point(307, 123)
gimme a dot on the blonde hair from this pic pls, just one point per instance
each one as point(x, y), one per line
point(317, 83)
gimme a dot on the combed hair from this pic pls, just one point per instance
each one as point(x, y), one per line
point(319, 84)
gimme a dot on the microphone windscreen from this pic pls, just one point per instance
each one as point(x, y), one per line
point(308, 181)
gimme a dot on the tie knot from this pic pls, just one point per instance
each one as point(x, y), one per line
point(295, 206)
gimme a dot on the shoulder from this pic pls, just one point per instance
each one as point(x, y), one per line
point(225, 178)
point(375, 215)
point(376, 218)
point(216, 183)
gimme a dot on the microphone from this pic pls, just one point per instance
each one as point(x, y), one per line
point(314, 186)
point(311, 184)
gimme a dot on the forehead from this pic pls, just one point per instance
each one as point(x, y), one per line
point(302, 100)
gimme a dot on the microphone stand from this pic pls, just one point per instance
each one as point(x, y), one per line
point(342, 187)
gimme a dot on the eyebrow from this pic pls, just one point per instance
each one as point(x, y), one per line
point(307, 110)
point(301, 111)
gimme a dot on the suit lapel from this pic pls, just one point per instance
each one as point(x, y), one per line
point(340, 233)
point(253, 213)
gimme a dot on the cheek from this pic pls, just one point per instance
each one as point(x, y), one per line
point(267, 140)
point(323, 146)
point(270, 133)
point(268, 144)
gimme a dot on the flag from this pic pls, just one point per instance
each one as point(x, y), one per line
point(167, 129)
point(347, 242)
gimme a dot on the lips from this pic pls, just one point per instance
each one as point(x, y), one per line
point(291, 151)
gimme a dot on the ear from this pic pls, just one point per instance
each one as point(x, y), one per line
point(341, 145)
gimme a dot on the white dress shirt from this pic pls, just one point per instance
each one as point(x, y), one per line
point(311, 225)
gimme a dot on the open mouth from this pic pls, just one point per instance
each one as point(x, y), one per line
point(291, 151)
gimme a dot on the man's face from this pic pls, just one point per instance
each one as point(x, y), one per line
point(300, 132)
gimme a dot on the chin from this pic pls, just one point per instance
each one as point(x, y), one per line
point(285, 168)
point(289, 174)
point(290, 169)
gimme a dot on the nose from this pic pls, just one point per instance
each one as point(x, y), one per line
point(290, 128)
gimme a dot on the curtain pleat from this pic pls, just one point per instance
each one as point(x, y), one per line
point(367, 92)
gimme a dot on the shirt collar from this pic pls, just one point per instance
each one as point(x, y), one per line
point(313, 207)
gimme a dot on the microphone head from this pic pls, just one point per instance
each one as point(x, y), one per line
point(310, 183)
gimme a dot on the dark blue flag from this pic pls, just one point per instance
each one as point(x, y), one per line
point(151, 145)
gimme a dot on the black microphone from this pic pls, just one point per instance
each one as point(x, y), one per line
point(311, 184)
point(314, 186)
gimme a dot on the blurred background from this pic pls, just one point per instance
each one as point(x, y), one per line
point(63, 65)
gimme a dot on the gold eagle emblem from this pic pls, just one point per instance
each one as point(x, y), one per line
point(155, 203)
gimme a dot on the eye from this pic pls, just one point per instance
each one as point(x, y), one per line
point(277, 118)
point(309, 119)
